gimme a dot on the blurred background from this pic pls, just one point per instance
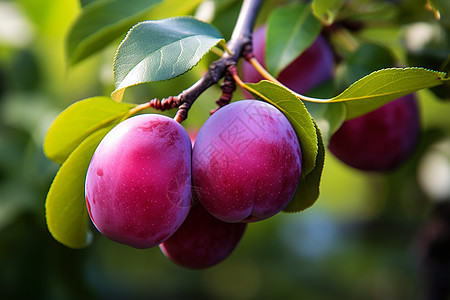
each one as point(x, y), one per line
point(369, 236)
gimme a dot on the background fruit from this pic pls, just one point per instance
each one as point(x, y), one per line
point(380, 140)
point(202, 240)
point(246, 162)
point(312, 67)
point(138, 189)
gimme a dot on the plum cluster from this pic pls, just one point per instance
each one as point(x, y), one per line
point(140, 188)
point(147, 186)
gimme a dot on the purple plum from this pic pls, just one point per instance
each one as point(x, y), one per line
point(246, 162)
point(202, 241)
point(380, 140)
point(138, 185)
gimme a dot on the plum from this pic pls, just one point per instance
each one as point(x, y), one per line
point(380, 140)
point(313, 67)
point(202, 241)
point(246, 162)
point(138, 185)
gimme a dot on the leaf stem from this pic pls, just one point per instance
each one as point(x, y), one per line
point(217, 51)
point(256, 64)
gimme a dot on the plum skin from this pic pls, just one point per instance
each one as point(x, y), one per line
point(138, 184)
point(380, 140)
point(313, 67)
point(202, 241)
point(246, 162)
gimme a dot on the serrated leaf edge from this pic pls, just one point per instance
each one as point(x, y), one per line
point(337, 99)
point(117, 94)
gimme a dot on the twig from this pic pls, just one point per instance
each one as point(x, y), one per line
point(239, 39)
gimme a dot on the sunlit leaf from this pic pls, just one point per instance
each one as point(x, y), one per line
point(102, 22)
point(383, 86)
point(66, 213)
point(291, 30)
point(78, 121)
point(308, 190)
point(297, 114)
point(161, 50)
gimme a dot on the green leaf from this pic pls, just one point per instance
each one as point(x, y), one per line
point(297, 114)
point(78, 121)
point(291, 30)
point(383, 86)
point(308, 190)
point(66, 213)
point(327, 10)
point(101, 22)
point(161, 50)
point(173, 8)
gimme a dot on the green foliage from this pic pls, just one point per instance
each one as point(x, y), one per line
point(366, 59)
point(306, 245)
point(161, 50)
point(65, 206)
point(101, 22)
point(72, 140)
point(291, 30)
point(164, 49)
point(327, 10)
point(380, 87)
point(296, 113)
point(80, 120)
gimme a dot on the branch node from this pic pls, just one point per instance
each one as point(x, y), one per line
point(247, 51)
point(228, 87)
point(182, 112)
point(240, 43)
point(165, 103)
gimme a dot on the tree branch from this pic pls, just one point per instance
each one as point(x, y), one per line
point(240, 38)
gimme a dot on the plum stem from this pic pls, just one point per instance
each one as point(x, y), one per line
point(256, 64)
point(261, 70)
point(164, 104)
